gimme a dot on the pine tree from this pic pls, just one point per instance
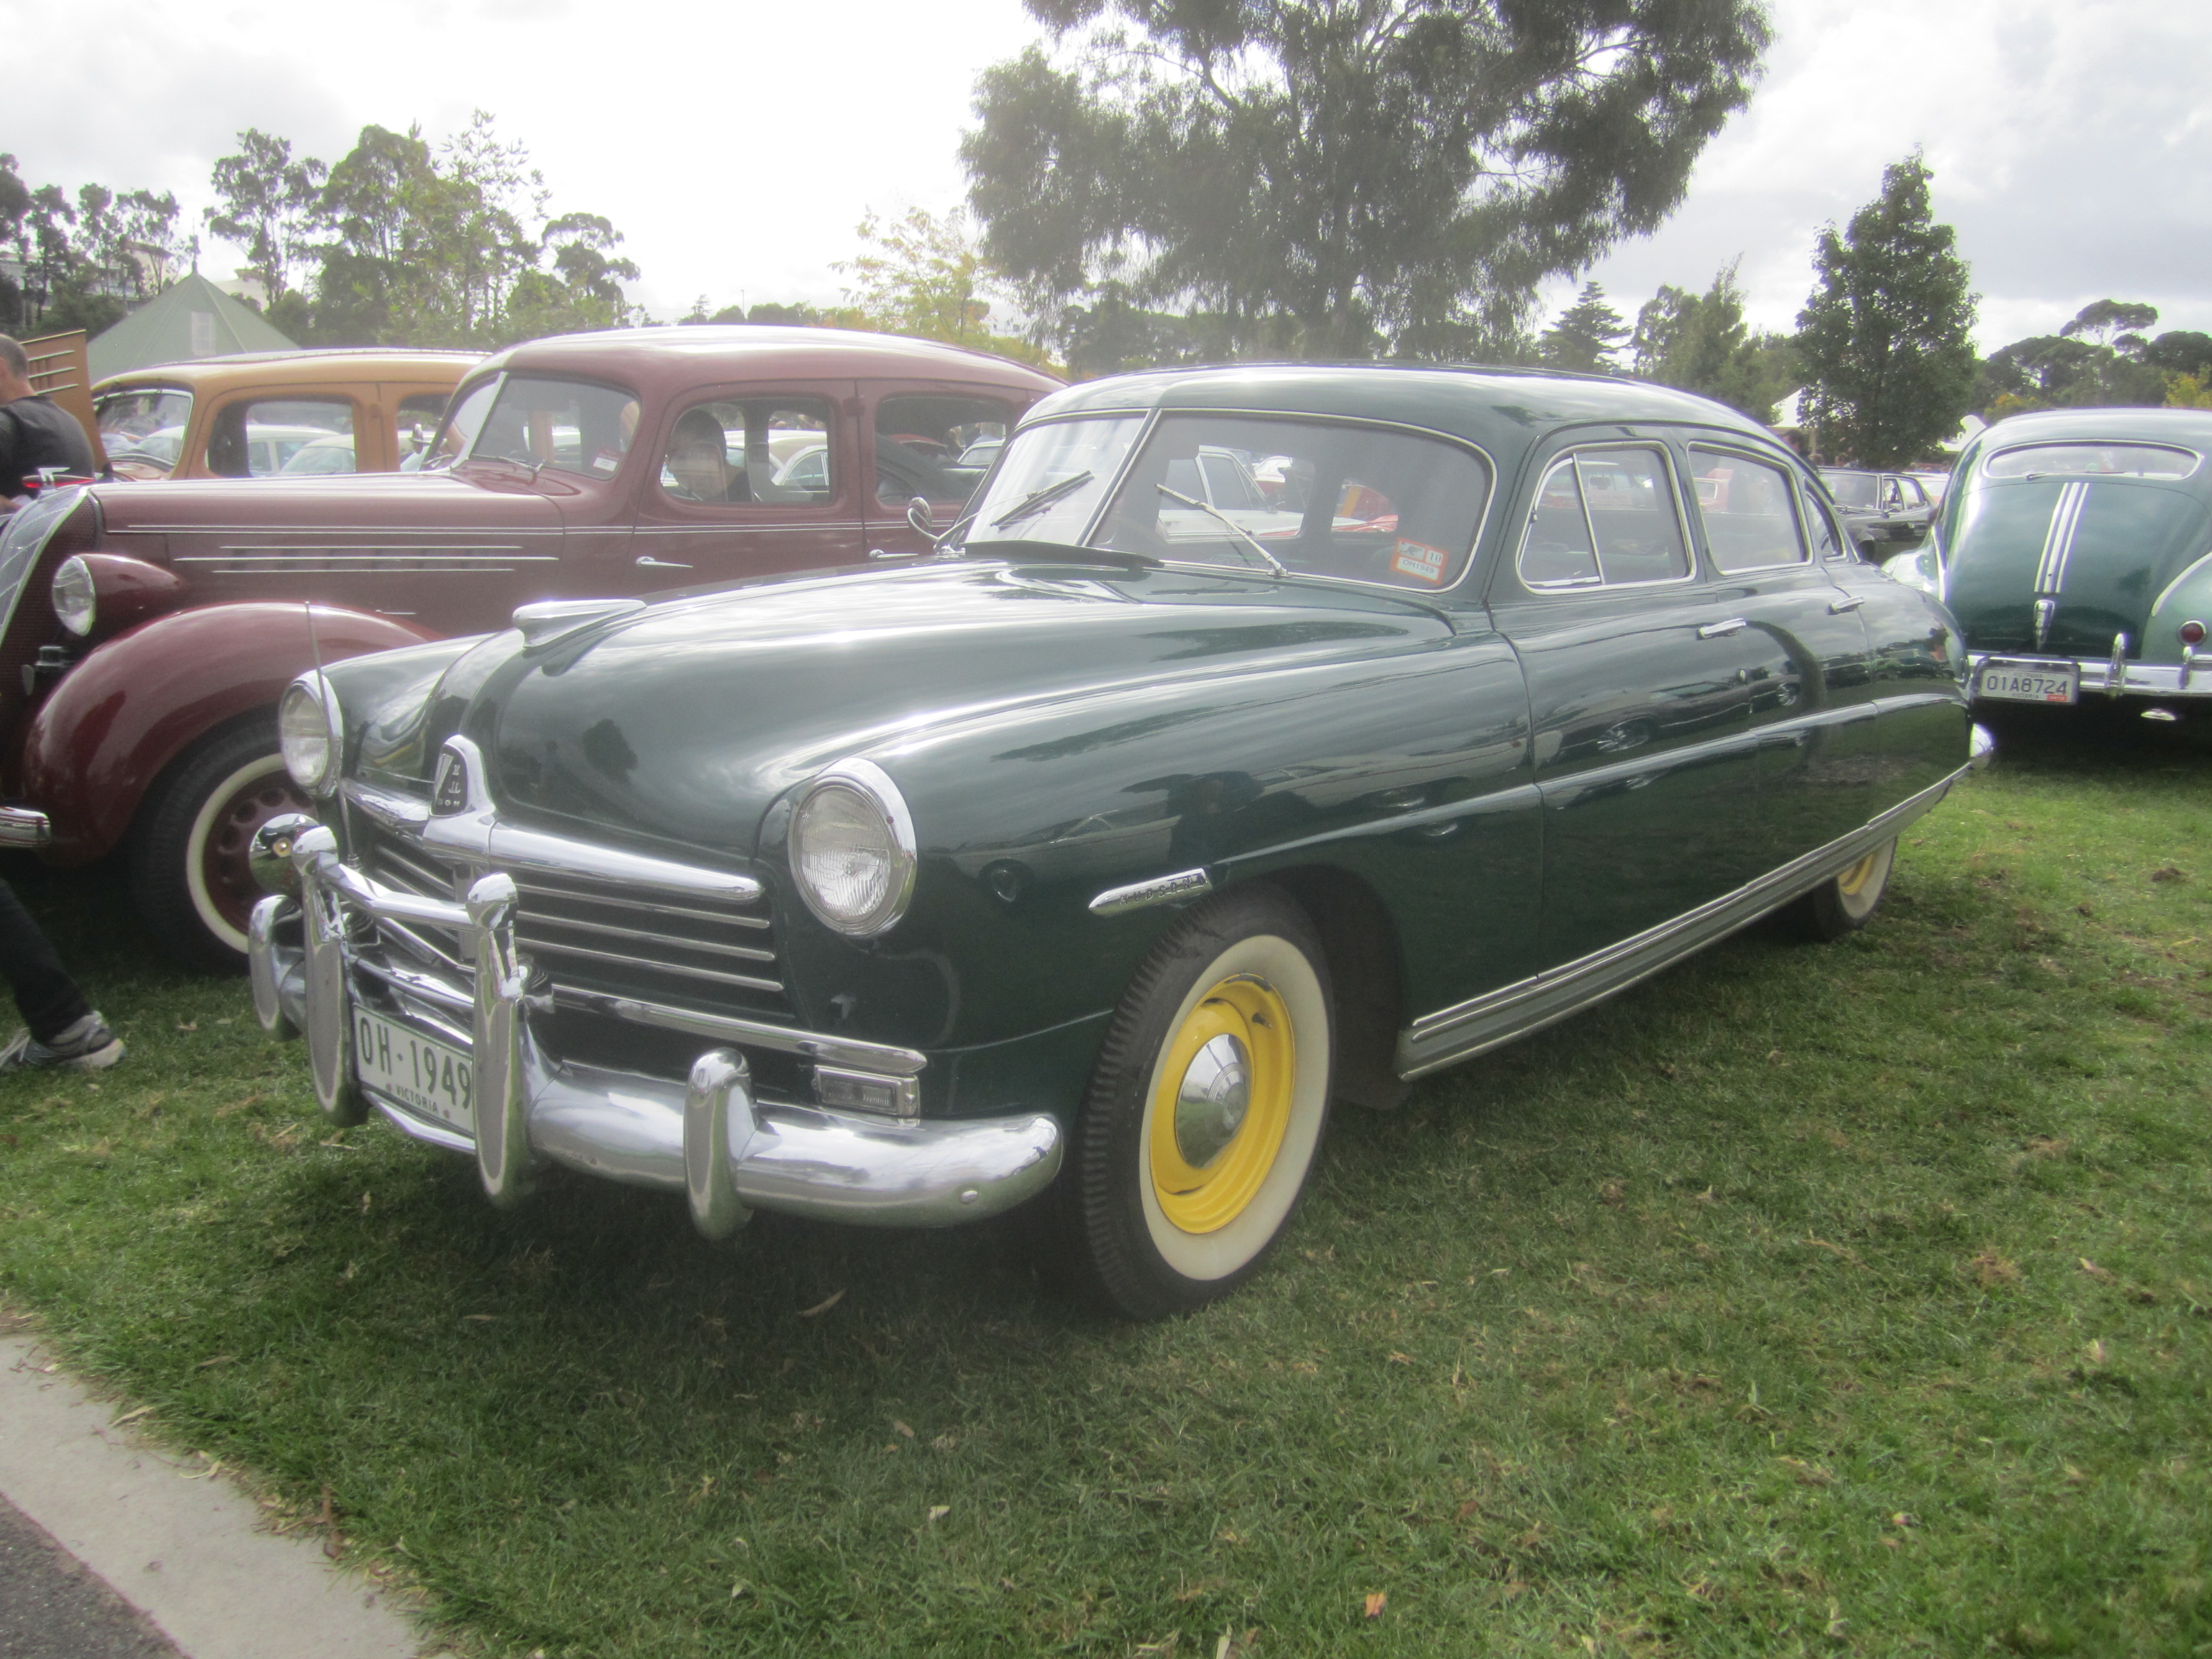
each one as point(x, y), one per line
point(1586, 334)
point(1885, 338)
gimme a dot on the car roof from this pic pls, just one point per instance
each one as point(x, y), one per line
point(2190, 427)
point(1496, 407)
point(295, 368)
point(676, 358)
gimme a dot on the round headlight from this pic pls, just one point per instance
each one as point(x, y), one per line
point(853, 849)
point(308, 733)
point(76, 602)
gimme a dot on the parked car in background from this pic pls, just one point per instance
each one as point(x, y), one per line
point(149, 627)
point(2076, 550)
point(247, 416)
point(1090, 865)
point(1882, 511)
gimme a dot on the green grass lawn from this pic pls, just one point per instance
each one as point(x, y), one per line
point(1843, 1300)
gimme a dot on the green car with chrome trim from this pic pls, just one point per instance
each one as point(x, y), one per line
point(1260, 738)
point(2075, 549)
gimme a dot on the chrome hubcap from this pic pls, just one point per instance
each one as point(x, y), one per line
point(1210, 1103)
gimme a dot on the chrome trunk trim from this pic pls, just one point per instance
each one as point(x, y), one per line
point(2135, 679)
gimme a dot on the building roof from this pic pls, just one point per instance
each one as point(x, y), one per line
point(190, 319)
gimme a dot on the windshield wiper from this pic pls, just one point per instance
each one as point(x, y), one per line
point(1044, 497)
point(1235, 528)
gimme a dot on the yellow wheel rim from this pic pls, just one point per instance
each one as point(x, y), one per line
point(1221, 1102)
point(1853, 881)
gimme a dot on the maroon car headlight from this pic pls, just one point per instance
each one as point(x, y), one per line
point(107, 593)
point(309, 733)
point(852, 850)
point(75, 597)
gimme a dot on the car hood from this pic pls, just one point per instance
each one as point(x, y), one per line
point(383, 501)
point(685, 722)
point(2102, 549)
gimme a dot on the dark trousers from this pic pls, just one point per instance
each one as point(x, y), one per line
point(48, 997)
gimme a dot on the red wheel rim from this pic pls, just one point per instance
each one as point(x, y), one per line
point(225, 860)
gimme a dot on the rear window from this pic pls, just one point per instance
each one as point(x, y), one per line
point(2092, 461)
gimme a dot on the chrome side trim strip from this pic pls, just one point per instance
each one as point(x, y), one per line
point(2167, 592)
point(1436, 1040)
point(1160, 890)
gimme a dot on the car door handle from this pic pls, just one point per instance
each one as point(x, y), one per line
point(647, 561)
point(878, 553)
point(1848, 602)
point(1721, 630)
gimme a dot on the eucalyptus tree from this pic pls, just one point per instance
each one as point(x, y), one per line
point(1345, 178)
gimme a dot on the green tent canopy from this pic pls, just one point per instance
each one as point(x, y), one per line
point(192, 317)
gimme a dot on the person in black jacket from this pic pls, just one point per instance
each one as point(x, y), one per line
point(33, 432)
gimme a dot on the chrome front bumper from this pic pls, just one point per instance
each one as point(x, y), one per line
point(2115, 678)
point(710, 1138)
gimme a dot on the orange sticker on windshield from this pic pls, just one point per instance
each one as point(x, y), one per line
point(1419, 561)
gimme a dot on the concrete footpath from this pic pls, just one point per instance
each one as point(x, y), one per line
point(111, 1549)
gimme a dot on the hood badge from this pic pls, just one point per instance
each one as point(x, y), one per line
point(458, 784)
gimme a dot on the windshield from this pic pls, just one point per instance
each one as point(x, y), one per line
point(2092, 460)
point(460, 431)
point(1051, 479)
point(570, 426)
point(142, 429)
point(1328, 498)
point(1851, 488)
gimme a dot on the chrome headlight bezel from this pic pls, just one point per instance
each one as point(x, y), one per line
point(884, 810)
point(75, 597)
point(310, 733)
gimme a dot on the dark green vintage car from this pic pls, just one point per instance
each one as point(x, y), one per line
point(1260, 737)
point(2075, 549)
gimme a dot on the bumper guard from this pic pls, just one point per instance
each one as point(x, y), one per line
point(709, 1137)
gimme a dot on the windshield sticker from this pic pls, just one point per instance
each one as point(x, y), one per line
point(1419, 561)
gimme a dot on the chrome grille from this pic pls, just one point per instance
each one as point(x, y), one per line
point(680, 950)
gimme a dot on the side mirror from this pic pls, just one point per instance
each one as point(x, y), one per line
point(917, 514)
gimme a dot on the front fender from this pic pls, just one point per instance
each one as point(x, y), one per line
point(139, 700)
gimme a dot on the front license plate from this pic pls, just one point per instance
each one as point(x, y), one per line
point(427, 1078)
point(2036, 682)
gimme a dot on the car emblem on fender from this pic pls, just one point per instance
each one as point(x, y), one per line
point(450, 792)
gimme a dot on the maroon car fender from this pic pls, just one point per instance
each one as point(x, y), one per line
point(141, 699)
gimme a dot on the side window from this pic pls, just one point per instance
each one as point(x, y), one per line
point(937, 447)
point(1828, 542)
point(1558, 552)
point(1605, 516)
point(256, 437)
point(1745, 505)
point(417, 417)
point(762, 450)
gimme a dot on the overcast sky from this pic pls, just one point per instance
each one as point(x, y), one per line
point(738, 145)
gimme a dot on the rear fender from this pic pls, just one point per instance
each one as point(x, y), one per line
point(141, 699)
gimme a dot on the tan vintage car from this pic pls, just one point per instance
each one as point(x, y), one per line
point(359, 410)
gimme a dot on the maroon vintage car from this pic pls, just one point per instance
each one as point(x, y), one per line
point(149, 629)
